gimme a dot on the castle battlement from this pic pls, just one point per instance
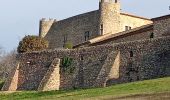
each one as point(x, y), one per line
point(108, 19)
point(45, 25)
point(110, 1)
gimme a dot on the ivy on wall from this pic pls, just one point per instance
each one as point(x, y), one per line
point(67, 65)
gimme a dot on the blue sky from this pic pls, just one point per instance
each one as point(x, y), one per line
point(21, 17)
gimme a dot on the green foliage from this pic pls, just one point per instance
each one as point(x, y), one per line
point(108, 93)
point(66, 64)
point(32, 43)
point(68, 45)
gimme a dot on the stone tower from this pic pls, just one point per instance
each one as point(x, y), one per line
point(45, 26)
point(109, 21)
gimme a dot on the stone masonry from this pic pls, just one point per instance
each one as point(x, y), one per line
point(11, 83)
point(111, 56)
point(97, 66)
point(51, 80)
point(108, 19)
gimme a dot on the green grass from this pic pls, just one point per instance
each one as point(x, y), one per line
point(144, 87)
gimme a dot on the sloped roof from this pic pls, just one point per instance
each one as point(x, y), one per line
point(109, 37)
point(131, 15)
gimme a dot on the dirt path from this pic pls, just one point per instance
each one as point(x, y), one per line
point(159, 96)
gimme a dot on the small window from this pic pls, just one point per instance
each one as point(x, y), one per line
point(65, 40)
point(86, 35)
point(131, 53)
point(127, 28)
point(152, 35)
point(101, 29)
point(81, 57)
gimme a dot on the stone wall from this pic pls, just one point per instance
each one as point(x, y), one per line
point(139, 60)
point(45, 26)
point(140, 33)
point(11, 83)
point(107, 20)
point(162, 27)
point(109, 17)
point(99, 66)
point(149, 59)
point(87, 63)
point(73, 29)
point(133, 37)
point(110, 70)
point(51, 80)
point(132, 21)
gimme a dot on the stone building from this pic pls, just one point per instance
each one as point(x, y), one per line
point(108, 19)
point(109, 48)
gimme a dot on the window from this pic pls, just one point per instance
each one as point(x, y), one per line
point(65, 40)
point(101, 29)
point(152, 35)
point(86, 35)
point(127, 28)
point(131, 53)
point(81, 57)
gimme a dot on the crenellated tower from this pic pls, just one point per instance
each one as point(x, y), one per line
point(109, 13)
point(45, 26)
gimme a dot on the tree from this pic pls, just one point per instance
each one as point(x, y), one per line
point(32, 43)
point(7, 63)
point(1, 52)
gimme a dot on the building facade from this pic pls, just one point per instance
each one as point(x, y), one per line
point(108, 19)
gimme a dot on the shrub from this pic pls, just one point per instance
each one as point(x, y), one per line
point(68, 45)
point(66, 65)
point(32, 43)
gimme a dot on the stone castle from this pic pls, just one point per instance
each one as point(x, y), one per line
point(110, 48)
point(78, 29)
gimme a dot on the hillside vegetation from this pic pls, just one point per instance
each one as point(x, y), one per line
point(159, 89)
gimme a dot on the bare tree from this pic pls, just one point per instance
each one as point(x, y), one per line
point(7, 63)
point(0, 52)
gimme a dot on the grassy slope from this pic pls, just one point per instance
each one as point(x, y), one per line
point(143, 87)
